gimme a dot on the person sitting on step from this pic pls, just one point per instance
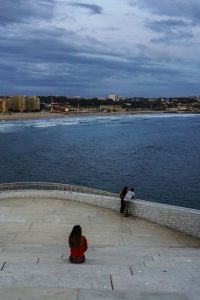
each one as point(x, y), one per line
point(78, 245)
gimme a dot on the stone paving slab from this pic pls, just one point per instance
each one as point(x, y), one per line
point(176, 283)
point(101, 240)
point(41, 237)
point(71, 294)
point(164, 270)
point(163, 295)
point(31, 257)
point(164, 261)
point(120, 259)
point(107, 295)
point(151, 250)
point(6, 218)
point(78, 211)
point(181, 251)
point(112, 219)
point(6, 238)
point(37, 294)
point(66, 268)
point(18, 258)
point(57, 280)
point(115, 229)
point(5, 210)
point(119, 248)
point(147, 240)
point(35, 249)
point(12, 202)
point(66, 219)
point(50, 227)
point(130, 295)
point(14, 227)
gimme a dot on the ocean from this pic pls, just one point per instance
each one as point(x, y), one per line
point(157, 154)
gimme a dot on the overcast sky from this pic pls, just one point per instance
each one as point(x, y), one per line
point(100, 47)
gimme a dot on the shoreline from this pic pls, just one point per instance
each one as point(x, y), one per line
point(41, 115)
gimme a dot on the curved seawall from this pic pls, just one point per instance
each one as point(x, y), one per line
point(183, 219)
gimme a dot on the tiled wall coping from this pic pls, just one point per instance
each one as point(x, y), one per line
point(50, 186)
point(183, 219)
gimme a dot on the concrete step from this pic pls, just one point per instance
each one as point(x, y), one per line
point(130, 295)
point(34, 248)
point(33, 253)
point(154, 283)
point(65, 268)
point(55, 253)
point(149, 280)
point(59, 249)
point(82, 294)
point(90, 260)
point(149, 250)
point(55, 280)
point(164, 261)
point(24, 293)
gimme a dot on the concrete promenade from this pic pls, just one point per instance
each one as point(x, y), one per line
point(128, 258)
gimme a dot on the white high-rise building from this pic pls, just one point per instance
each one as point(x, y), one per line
point(113, 97)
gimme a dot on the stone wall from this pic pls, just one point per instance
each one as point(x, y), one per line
point(183, 219)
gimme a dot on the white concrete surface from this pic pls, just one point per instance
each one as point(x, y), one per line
point(128, 258)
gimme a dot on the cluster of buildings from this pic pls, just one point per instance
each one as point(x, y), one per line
point(19, 104)
point(111, 103)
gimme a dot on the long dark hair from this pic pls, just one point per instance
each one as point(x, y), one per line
point(75, 238)
point(124, 191)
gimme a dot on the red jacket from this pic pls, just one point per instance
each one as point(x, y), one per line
point(80, 252)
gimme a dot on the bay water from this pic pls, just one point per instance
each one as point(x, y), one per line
point(157, 154)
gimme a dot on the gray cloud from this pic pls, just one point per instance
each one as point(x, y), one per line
point(173, 8)
point(94, 9)
point(51, 66)
point(172, 30)
point(51, 55)
point(166, 25)
point(59, 62)
point(19, 11)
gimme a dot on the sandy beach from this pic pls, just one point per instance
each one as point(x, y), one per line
point(38, 115)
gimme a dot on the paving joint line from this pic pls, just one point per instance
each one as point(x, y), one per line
point(78, 294)
point(111, 282)
point(3, 265)
point(131, 270)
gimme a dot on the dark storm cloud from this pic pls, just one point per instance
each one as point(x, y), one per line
point(189, 9)
point(43, 52)
point(94, 9)
point(18, 11)
point(52, 64)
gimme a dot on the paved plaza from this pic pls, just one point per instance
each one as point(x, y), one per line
point(128, 258)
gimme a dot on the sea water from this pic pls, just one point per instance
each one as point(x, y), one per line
point(157, 154)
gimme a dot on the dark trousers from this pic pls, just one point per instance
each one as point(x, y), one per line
point(127, 204)
point(122, 206)
point(77, 259)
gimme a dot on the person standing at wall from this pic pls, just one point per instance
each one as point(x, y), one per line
point(78, 245)
point(122, 195)
point(127, 199)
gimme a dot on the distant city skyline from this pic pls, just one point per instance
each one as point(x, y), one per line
point(144, 48)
